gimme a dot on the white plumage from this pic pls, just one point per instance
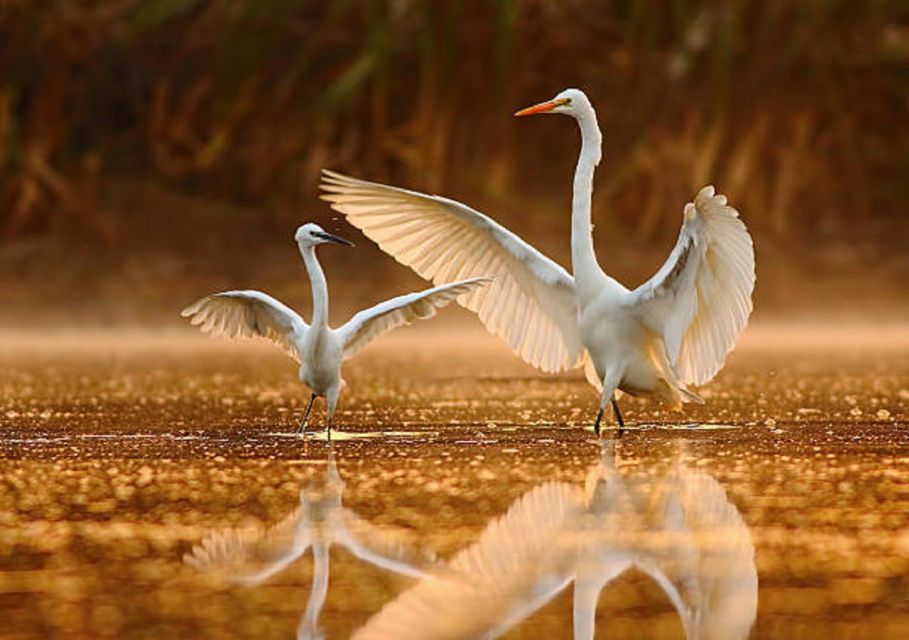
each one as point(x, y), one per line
point(370, 323)
point(530, 303)
point(318, 348)
point(700, 299)
point(248, 314)
point(675, 329)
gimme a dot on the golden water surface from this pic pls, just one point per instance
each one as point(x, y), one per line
point(152, 485)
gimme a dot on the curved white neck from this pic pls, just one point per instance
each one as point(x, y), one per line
point(583, 259)
point(319, 287)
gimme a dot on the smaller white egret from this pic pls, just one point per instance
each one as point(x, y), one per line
point(318, 348)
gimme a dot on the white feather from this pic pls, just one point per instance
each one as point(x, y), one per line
point(370, 323)
point(700, 299)
point(246, 314)
point(442, 239)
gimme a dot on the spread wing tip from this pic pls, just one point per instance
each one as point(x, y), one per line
point(706, 192)
point(194, 308)
point(335, 179)
point(708, 202)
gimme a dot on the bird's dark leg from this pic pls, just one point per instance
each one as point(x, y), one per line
point(618, 416)
point(596, 425)
point(306, 415)
point(329, 428)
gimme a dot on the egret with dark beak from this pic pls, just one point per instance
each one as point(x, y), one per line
point(318, 348)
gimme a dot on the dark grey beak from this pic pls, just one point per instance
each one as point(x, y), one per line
point(333, 238)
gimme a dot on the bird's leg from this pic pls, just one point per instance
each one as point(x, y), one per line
point(306, 415)
point(618, 415)
point(332, 399)
point(610, 384)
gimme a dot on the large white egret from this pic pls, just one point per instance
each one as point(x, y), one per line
point(674, 330)
point(318, 348)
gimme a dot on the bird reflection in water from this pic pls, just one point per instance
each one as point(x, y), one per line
point(251, 556)
point(675, 525)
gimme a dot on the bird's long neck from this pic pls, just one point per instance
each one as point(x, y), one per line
point(319, 287)
point(583, 259)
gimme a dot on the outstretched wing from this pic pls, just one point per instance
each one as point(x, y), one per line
point(370, 323)
point(700, 299)
point(530, 303)
point(245, 314)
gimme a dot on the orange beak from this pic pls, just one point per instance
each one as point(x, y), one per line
point(543, 107)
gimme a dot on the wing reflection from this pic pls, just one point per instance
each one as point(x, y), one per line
point(251, 556)
point(677, 526)
point(520, 562)
point(680, 528)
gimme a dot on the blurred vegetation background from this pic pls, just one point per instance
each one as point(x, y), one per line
point(153, 150)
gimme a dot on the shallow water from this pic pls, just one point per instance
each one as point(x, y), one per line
point(153, 486)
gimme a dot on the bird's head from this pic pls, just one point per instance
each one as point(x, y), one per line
point(309, 235)
point(571, 102)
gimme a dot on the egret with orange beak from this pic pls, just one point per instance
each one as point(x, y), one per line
point(673, 331)
point(543, 107)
